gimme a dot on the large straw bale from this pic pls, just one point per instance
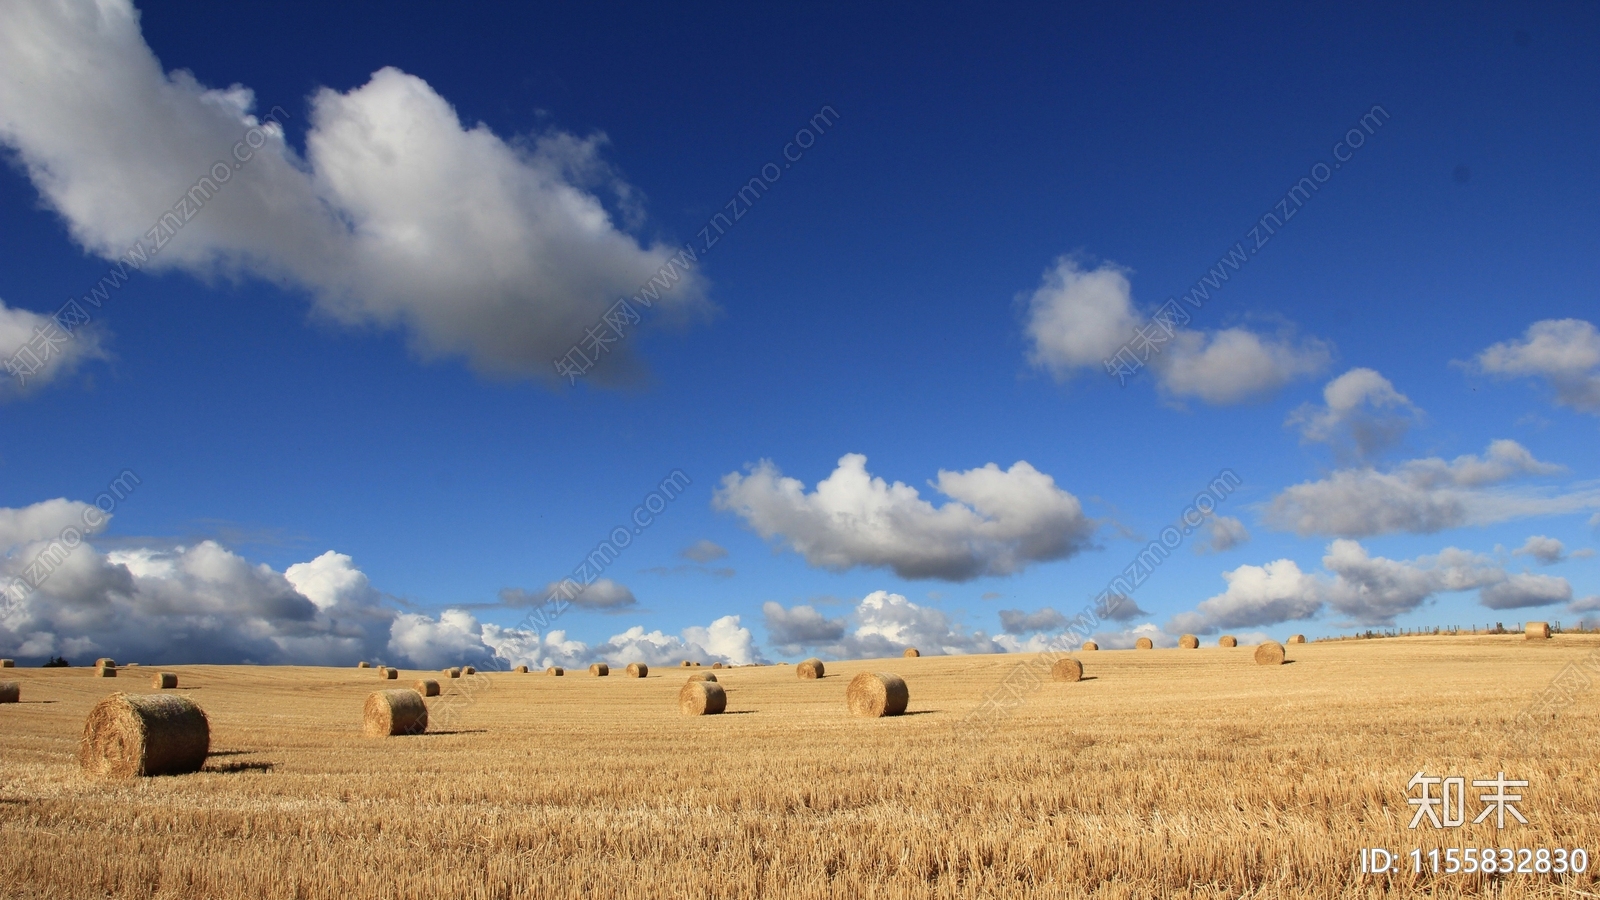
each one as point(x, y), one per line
point(10, 692)
point(1144, 644)
point(427, 687)
point(128, 735)
point(810, 669)
point(1067, 669)
point(638, 670)
point(1269, 653)
point(394, 711)
point(1536, 631)
point(600, 670)
point(701, 698)
point(876, 694)
point(1188, 642)
point(164, 681)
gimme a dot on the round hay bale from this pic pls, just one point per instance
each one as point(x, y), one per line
point(468, 670)
point(363, 665)
point(876, 694)
point(1227, 640)
point(521, 670)
point(427, 687)
point(105, 672)
point(638, 670)
point(810, 669)
point(453, 672)
point(716, 665)
point(911, 653)
point(1067, 669)
point(685, 664)
point(1269, 653)
point(10, 692)
point(146, 734)
point(1536, 631)
point(701, 698)
point(1188, 642)
point(1144, 644)
point(697, 665)
point(395, 711)
point(1090, 645)
point(390, 674)
point(8, 663)
point(1297, 639)
point(702, 676)
point(164, 681)
point(600, 670)
point(555, 670)
point(104, 662)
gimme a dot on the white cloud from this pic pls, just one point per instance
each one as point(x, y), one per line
point(1362, 415)
point(46, 520)
point(40, 352)
point(1078, 318)
point(1128, 638)
point(1564, 351)
point(1256, 595)
point(398, 215)
point(1590, 603)
point(1222, 533)
point(1366, 589)
point(1423, 496)
point(1547, 550)
point(997, 523)
point(1234, 365)
point(885, 624)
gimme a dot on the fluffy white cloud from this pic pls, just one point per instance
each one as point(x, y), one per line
point(997, 523)
point(1547, 550)
point(33, 352)
point(1256, 595)
point(1128, 638)
point(398, 215)
point(885, 625)
point(1234, 365)
point(1078, 318)
point(1366, 589)
point(1423, 496)
point(1362, 415)
point(1222, 533)
point(1564, 351)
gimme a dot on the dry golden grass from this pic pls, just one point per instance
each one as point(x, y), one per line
point(1196, 774)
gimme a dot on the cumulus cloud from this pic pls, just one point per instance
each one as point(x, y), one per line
point(1080, 317)
point(399, 215)
point(1590, 603)
point(34, 352)
point(1546, 550)
point(1423, 496)
point(1366, 589)
point(1256, 595)
point(884, 624)
point(1362, 415)
point(1235, 365)
point(1128, 638)
point(998, 521)
point(1565, 352)
point(1221, 533)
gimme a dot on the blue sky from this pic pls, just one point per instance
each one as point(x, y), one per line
point(335, 382)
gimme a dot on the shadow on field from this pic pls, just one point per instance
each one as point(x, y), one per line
point(738, 712)
point(920, 712)
point(231, 752)
point(38, 701)
point(236, 767)
point(1090, 678)
point(460, 731)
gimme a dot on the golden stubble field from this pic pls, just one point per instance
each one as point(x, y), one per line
point(1165, 773)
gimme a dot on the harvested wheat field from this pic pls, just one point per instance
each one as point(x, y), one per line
point(1165, 774)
